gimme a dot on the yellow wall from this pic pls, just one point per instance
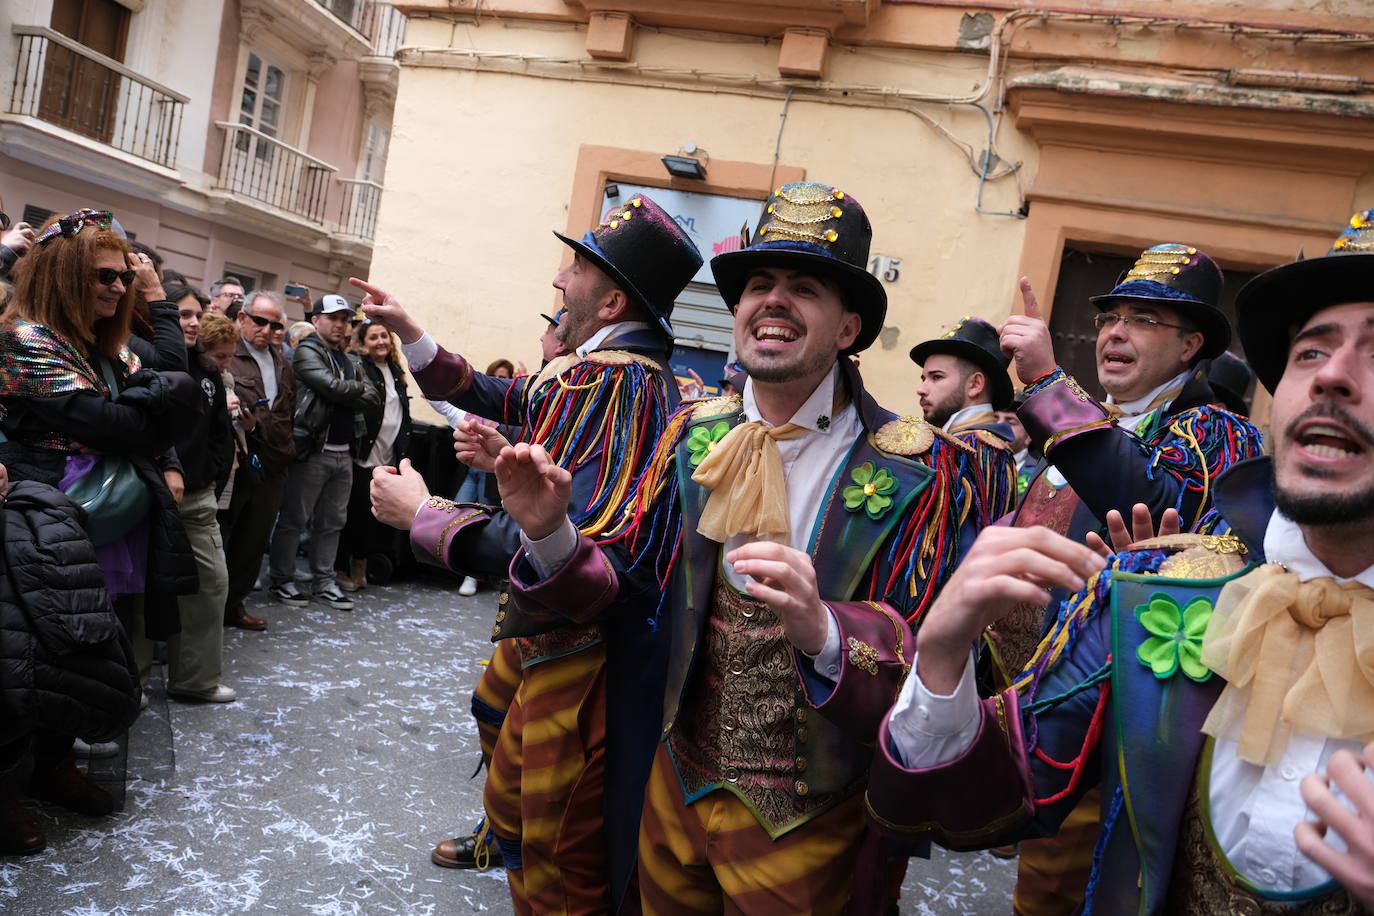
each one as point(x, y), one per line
point(481, 168)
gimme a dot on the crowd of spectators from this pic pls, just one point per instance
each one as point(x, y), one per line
point(155, 443)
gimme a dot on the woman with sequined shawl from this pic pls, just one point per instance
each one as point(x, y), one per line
point(72, 393)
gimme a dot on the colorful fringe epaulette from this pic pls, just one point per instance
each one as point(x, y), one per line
point(989, 479)
point(609, 415)
point(1195, 446)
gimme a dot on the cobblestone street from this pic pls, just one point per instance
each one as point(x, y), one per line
point(324, 787)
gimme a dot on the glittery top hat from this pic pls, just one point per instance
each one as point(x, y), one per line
point(1184, 279)
point(645, 252)
point(1274, 306)
point(977, 341)
point(817, 229)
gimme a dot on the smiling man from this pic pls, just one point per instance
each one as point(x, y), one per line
point(1217, 688)
point(1156, 441)
point(801, 527)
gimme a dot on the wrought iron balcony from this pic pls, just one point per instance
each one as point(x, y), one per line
point(389, 31)
point(64, 83)
point(264, 169)
point(358, 209)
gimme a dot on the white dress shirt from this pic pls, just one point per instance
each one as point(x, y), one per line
point(809, 462)
point(1253, 808)
point(965, 414)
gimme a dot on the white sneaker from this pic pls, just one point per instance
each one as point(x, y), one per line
point(469, 586)
point(288, 594)
point(217, 694)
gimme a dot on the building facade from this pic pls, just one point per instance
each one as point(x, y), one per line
point(986, 141)
point(236, 137)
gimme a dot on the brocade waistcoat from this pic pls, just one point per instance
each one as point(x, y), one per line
point(746, 727)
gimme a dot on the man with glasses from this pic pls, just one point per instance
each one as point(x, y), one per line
point(1156, 441)
point(226, 296)
point(266, 388)
point(331, 397)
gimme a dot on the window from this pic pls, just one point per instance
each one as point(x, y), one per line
point(374, 154)
point(260, 105)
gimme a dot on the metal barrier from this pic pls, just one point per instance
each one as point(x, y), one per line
point(263, 168)
point(358, 212)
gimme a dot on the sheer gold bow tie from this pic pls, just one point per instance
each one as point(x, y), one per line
point(748, 487)
point(1295, 655)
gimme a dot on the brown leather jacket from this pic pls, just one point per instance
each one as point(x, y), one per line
point(271, 439)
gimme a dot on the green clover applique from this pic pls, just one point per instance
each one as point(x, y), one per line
point(873, 490)
point(1177, 639)
point(701, 440)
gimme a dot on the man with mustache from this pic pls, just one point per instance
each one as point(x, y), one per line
point(1156, 441)
point(1198, 680)
point(798, 529)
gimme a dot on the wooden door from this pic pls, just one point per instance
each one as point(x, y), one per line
point(79, 93)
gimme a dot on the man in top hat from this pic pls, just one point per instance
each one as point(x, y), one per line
point(1233, 381)
point(1217, 688)
point(796, 529)
point(964, 383)
point(1155, 441)
point(568, 769)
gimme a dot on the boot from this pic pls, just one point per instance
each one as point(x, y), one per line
point(19, 835)
point(356, 580)
point(69, 788)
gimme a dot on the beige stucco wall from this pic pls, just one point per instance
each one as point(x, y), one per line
point(482, 166)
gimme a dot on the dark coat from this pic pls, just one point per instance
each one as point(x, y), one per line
point(65, 662)
point(206, 446)
point(322, 386)
point(270, 438)
point(373, 413)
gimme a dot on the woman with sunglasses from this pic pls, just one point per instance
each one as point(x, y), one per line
point(79, 408)
point(387, 441)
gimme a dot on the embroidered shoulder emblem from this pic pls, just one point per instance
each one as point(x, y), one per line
point(1197, 556)
point(714, 407)
point(863, 656)
point(988, 437)
point(905, 436)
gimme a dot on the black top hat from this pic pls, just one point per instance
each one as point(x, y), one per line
point(1232, 380)
point(977, 341)
point(817, 229)
point(1274, 306)
point(645, 252)
point(1184, 279)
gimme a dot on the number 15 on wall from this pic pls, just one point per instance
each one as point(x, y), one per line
point(885, 267)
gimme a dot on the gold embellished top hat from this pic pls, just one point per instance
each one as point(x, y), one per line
point(1274, 306)
point(645, 252)
point(1186, 280)
point(817, 229)
point(977, 341)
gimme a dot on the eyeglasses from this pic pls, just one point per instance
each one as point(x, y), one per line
point(1143, 322)
point(263, 322)
point(107, 276)
point(71, 225)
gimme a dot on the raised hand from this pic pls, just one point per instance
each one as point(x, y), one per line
point(383, 308)
point(1352, 822)
point(19, 238)
point(478, 445)
point(534, 490)
point(1003, 568)
point(145, 277)
point(397, 494)
point(1142, 529)
point(1026, 338)
point(784, 579)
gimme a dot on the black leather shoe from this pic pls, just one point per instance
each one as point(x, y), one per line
point(464, 852)
point(19, 835)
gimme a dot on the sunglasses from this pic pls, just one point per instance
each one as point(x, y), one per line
point(70, 226)
point(4, 221)
point(107, 276)
point(263, 322)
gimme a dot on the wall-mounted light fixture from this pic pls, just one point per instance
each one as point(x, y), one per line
point(684, 167)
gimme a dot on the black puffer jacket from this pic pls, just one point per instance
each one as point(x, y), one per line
point(65, 661)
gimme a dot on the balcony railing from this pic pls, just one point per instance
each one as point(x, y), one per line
point(62, 82)
point(377, 21)
point(389, 32)
point(358, 209)
point(271, 172)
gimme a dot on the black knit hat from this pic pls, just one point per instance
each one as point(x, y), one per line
point(977, 341)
